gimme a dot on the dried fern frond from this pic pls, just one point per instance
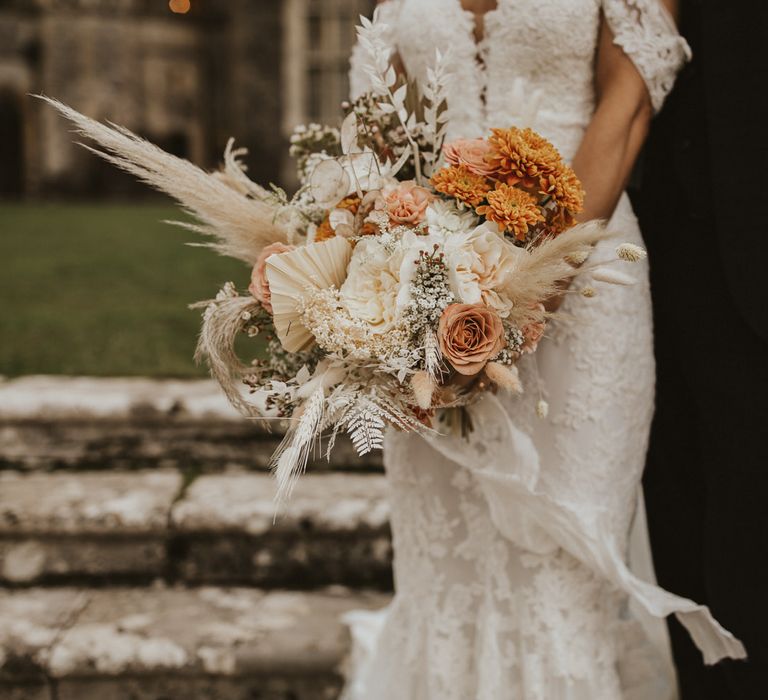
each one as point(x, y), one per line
point(394, 414)
point(365, 426)
point(240, 224)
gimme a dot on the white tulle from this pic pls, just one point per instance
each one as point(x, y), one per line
point(511, 549)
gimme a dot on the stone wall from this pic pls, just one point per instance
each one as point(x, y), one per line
point(186, 82)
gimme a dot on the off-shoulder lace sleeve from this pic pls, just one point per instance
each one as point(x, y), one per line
point(358, 80)
point(646, 32)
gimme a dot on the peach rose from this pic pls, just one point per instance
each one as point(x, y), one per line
point(472, 154)
point(405, 203)
point(533, 333)
point(470, 335)
point(259, 286)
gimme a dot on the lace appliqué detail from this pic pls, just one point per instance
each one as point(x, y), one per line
point(647, 34)
point(487, 605)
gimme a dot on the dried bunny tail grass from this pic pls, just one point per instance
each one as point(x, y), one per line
point(629, 252)
point(540, 273)
point(222, 322)
point(577, 259)
point(423, 388)
point(603, 274)
point(504, 377)
point(241, 225)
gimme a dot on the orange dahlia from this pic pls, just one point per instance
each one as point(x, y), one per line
point(512, 209)
point(521, 155)
point(460, 182)
point(564, 189)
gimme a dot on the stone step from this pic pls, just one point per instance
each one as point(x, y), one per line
point(93, 423)
point(171, 643)
point(107, 528)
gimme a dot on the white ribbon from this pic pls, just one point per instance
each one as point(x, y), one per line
point(505, 463)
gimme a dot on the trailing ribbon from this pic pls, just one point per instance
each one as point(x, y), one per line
point(505, 462)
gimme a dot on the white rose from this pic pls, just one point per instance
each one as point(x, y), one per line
point(461, 261)
point(370, 290)
point(480, 263)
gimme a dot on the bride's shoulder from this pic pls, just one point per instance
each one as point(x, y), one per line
point(646, 31)
point(388, 7)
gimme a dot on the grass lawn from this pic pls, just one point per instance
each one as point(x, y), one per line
point(102, 290)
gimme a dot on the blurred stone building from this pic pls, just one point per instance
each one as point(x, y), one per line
point(243, 68)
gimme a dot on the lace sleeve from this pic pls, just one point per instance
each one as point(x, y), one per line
point(358, 80)
point(647, 34)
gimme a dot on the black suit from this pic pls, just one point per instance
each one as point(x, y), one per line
point(703, 206)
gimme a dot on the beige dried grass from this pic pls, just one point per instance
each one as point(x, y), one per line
point(222, 323)
point(541, 273)
point(241, 225)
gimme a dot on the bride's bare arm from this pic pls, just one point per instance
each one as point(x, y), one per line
point(618, 128)
point(616, 132)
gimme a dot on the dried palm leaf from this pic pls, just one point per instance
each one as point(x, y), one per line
point(291, 275)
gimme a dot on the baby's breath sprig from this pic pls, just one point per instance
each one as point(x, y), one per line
point(511, 352)
point(430, 291)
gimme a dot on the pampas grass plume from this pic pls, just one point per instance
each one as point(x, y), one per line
point(238, 214)
point(423, 388)
point(505, 377)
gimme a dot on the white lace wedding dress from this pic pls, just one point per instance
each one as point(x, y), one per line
point(510, 549)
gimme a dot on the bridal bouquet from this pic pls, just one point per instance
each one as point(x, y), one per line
point(404, 278)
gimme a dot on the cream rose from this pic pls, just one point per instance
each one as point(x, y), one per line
point(470, 335)
point(480, 264)
point(373, 279)
point(495, 262)
point(259, 287)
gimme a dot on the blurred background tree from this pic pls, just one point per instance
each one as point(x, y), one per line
point(93, 282)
